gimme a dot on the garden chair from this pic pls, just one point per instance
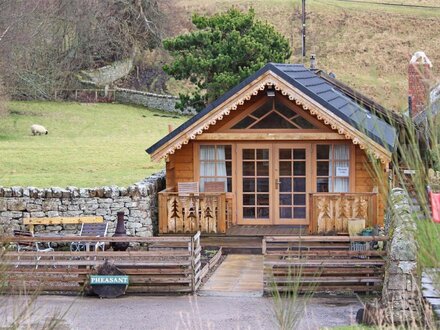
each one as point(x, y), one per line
point(29, 246)
point(91, 229)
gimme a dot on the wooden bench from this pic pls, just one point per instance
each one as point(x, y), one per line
point(31, 222)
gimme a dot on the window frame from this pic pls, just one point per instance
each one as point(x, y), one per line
point(319, 126)
point(198, 163)
point(351, 163)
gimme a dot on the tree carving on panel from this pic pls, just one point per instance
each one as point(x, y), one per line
point(324, 215)
point(174, 213)
point(209, 214)
point(190, 211)
point(333, 211)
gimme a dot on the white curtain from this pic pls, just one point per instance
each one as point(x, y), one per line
point(210, 158)
point(342, 164)
point(221, 163)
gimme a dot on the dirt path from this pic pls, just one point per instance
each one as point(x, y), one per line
point(181, 312)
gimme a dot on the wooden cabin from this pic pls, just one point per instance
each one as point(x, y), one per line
point(285, 148)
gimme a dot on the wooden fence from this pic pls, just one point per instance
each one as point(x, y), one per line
point(323, 263)
point(330, 212)
point(205, 212)
point(157, 265)
point(85, 95)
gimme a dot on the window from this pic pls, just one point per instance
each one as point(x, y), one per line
point(333, 168)
point(216, 165)
point(273, 114)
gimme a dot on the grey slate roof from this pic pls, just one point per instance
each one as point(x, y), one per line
point(324, 93)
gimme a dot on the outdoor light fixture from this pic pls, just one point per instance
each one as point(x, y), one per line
point(270, 92)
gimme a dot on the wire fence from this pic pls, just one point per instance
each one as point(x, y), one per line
point(77, 95)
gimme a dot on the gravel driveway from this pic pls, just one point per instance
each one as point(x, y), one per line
point(180, 312)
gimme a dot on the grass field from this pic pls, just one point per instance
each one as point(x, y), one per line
point(88, 144)
point(366, 44)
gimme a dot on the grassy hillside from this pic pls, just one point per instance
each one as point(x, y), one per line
point(367, 45)
point(87, 145)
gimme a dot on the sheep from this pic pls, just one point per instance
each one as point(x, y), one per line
point(38, 129)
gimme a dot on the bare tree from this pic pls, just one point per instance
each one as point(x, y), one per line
point(44, 43)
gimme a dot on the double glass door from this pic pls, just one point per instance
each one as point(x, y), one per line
point(273, 184)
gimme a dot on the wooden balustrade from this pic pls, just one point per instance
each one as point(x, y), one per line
point(330, 212)
point(205, 212)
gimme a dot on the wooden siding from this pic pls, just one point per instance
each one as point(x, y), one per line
point(183, 165)
point(366, 181)
point(180, 166)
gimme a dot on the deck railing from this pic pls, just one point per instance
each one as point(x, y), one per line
point(205, 212)
point(330, 212)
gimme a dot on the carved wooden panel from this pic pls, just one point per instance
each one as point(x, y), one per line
point(209, 214)
point(332, 211)
point(189, 214)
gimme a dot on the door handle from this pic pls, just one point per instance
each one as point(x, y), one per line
point(277, 184)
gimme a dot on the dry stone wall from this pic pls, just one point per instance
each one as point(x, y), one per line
point(401, 291)
point(138, 202)
point(150, 100)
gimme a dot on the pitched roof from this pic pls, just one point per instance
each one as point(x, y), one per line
point(319, 90)
point(391, 117)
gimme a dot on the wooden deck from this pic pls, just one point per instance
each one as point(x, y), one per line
point(266, 230)
point(248, 239)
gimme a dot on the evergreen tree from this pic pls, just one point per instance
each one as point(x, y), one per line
point(225, 49)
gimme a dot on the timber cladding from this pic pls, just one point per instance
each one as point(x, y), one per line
point(367, 198)
point(366, 179)
point(180, 166)
point(164, 265)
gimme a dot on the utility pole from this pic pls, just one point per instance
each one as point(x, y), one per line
point(303, 30)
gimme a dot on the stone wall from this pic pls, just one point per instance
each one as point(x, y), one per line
point(107, 74)
point(401, 294)
point(139, 203)
point(155, 101)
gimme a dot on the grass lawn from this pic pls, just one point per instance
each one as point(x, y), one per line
point(88, 145)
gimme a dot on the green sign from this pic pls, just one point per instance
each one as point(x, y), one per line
point(108, 279)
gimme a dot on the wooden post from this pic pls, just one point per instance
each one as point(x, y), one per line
point(170, 128)
point(163, 213)
point(76, 95)
point(221, 225)
point(96, 95)
point(373, 205)
point(312, 224)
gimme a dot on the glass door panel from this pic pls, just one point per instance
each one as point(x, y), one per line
point(255, 181)
point(273, 184)
point(291, 184)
